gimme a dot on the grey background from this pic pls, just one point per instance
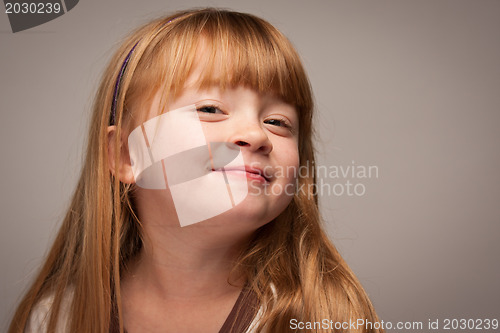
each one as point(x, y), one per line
point(412, 87)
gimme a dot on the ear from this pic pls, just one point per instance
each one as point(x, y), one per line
point(122, 171)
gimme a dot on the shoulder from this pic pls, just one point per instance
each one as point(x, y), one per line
point(38, 320)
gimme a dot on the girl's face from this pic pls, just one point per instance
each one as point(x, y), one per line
point(266, 131)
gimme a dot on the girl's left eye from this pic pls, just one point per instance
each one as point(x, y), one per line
point(277, 122)
point(210, 109)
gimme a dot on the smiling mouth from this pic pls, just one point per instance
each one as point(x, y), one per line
point(250, 173)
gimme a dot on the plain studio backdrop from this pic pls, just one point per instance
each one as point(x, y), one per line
point(410, 88)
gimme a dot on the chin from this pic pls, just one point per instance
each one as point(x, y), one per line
point(246, 216)
point(255, 211)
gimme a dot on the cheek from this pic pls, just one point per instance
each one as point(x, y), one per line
point(287, 153)
point(215, 131)
point(287, 166)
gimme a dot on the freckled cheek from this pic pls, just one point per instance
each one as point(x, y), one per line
point(214, 131)
point(207, 131)
point(293, 158)
point(289, 160)
point(289, 151)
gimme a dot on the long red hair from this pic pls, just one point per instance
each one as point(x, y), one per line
point(290, 264)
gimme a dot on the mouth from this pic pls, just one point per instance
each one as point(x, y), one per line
point(250, 172)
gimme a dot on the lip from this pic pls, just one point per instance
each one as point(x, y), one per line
point(250, 172)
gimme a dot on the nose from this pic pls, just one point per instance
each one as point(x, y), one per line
point(253, 137)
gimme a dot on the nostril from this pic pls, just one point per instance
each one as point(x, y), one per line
point(241, 143)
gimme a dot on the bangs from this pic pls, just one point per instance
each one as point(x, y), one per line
point(242, 50)
point(232, 48)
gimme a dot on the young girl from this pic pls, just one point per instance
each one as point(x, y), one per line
point(190, 215)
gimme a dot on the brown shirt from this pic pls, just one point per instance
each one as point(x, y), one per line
point(238, 320)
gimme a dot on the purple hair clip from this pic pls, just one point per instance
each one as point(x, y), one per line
point(117, 85)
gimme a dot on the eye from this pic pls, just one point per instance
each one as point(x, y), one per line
point(280, 122)
point(211, 109)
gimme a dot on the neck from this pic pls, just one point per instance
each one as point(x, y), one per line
point(188, 263)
